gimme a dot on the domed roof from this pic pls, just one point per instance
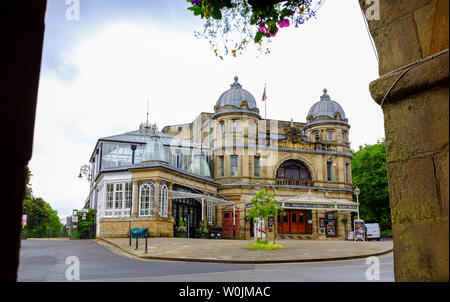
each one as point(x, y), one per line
point(326, 107)
point(235, 95)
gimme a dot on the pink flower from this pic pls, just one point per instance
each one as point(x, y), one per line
point(284, 23)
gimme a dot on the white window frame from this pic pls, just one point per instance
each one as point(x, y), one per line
point(151, 200)
point(163, 200)
point(209, 211)
point(111, 198)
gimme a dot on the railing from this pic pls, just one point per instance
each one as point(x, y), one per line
point(294, 182)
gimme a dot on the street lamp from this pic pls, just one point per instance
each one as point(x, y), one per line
point(86, 170)
point(357, 191)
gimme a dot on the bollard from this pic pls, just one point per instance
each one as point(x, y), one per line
point(137, 238)
point(146, 244)
point(130, 238)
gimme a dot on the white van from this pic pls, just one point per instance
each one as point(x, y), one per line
point(373, 231)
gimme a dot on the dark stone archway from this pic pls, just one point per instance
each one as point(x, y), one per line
point(21, 37)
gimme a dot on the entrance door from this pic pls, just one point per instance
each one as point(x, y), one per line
point(298, 221)
point(283, 222)
point(227, 224)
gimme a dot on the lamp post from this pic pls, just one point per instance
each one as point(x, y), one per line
point(357, 191)
point(86, 170)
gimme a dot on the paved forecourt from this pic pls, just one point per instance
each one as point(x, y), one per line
point(234, 251)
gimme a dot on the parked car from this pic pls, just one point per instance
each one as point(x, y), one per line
point(373, 231)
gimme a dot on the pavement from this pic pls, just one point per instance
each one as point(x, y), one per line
point(234, 251)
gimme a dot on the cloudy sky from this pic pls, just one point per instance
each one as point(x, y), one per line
point(98, 72)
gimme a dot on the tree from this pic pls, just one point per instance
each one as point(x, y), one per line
point(85, 227)
point(370, 175)
point(42, 220)
point(263, 206)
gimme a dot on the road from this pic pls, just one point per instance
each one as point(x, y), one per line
point(45, 260)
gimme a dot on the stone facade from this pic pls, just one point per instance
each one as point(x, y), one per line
point(412, 41)
point(307, 163)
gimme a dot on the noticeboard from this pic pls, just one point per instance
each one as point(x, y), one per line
point(360, 230)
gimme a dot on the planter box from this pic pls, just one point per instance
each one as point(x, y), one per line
point(180, 234)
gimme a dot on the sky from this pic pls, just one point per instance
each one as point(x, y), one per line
point(99, 71)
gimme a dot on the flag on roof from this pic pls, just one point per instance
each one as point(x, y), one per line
point(264, 97)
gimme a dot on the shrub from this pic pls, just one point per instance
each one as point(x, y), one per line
point(264, 245)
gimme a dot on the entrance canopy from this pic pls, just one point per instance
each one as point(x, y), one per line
point(311, 201)
point(199, 197)
point(314, 202)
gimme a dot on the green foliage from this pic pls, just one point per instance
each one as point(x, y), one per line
point(43, 221)
point(249, 19)
point(84, 227)
point(181, 226)
point(264, 245)
point(263, 206)
point(28, 189)
point(370, 175)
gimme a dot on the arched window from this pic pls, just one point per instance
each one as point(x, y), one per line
point(163, 200)
point(293, 172)
point(146, 199)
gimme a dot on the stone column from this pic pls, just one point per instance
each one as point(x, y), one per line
point(156, 200)
point(135, 199)
point(412, 41)
point(315, 224)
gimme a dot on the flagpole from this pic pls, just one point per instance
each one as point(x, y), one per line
point(265, 105)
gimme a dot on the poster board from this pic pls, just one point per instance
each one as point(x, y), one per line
point(260, 229)
point(360, 230)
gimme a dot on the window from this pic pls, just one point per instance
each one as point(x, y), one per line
point(221, 166)
point(146, 201)
point(347, 173)
point(256, 166)
point(329, 171)
point(234, 166)
point(235, 126)
point(114, 155)
point(209, 211)
point(343, 137)
point(330, 135)
point(128, 191)
point(317, 136)
point(109, 196)
point(222, 127)
point(163, 200)
point(118, 196)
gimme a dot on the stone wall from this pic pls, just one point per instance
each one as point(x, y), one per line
point(119, 227)
point(412, 39)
